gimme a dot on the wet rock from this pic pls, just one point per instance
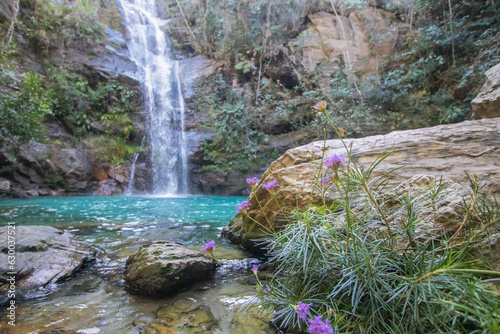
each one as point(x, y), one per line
point(44, 255)
point(32, 193)
point(253, 320)
point(446, 150)
point(4, 185)
point(103, 188)
point(487, 102)
point(218, 182)
point(142, 178)
point(192, 70)
point(74, 166)
point(184, 316)
point(99, 174)
point(164, 268)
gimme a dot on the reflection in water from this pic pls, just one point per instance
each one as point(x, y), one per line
point(95, 301)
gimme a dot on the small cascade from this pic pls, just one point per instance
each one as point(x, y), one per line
point(149, 47)
point(130, 187)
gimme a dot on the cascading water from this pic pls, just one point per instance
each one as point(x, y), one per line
point(130, 188)
point(149, 47)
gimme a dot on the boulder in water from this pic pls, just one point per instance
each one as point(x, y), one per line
point(165, 267)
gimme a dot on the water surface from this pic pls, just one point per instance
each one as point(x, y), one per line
point(95, 300)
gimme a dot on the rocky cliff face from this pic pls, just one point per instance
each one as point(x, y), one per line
point(328, 44)
point(487, 103)
point(443, 151)
point(62, 162)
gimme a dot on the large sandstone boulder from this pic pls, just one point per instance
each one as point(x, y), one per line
point(165, 267)
point(44, 255)
point(346, 40)
point(487, 102)
point(446, 150)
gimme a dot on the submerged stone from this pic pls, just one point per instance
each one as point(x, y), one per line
point(164, 267)
point(183, 316)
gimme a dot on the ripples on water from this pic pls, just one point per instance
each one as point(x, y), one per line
point(95, 301)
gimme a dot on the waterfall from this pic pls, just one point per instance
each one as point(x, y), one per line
point(130, 187)
point(149, 48)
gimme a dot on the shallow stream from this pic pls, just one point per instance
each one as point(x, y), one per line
point(95, 301)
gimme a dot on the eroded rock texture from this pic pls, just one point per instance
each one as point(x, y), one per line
point(487, 102)
point(44, 255)
point(446, 150)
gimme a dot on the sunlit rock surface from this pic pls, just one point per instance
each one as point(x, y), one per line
point(446, 150)
point(487, 102)
point(340, 39)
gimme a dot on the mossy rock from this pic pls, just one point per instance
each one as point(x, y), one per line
point(163, 268)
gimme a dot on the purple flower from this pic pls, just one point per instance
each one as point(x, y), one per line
point(320, 106)
point(266, 291)
point(325, 180)
point(209, 247)
point(318, 326)
point(245, 205)
point(255, 268)
point(334, 161)
point(303, 310)
point(252, 181)
point(271, 185)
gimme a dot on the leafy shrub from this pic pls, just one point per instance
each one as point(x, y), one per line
point(77, 104)
point(108, 149)
point(236, 143)
point(22, 114)
point(54, 24)
point(370, 263)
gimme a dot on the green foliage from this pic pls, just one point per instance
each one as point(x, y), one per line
point(109, 149)
point(226, 29)
point(378, 263)
point(22, 114)
point(54, 24)
point(237, 143)
point(436, 70)
point(77, 104)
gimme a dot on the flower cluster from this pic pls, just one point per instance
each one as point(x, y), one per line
point(334, 161)
point(252, 181)
point(320, 107)
point(325, 180)
point(208, 247)
point(245, 205)
point(316, 325)
point(271, 185)
point(303, 310)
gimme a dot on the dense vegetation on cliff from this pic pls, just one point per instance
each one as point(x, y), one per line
point(36, 85)
point(429, 63)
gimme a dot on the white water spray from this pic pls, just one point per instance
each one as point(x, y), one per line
point(149, 47)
